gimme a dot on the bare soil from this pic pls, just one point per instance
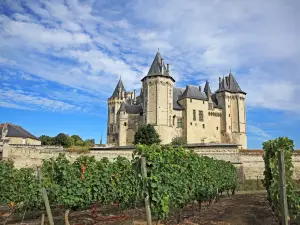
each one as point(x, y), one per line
point(241, 209)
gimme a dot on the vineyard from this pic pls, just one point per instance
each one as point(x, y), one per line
point(175, 177)
point(271, 173)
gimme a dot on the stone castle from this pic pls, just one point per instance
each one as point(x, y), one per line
point(199, 116)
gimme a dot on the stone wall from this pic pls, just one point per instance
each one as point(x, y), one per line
point(250, 163)
point(253, 166)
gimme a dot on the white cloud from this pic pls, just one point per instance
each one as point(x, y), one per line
point(87, 45)
point(15, 98)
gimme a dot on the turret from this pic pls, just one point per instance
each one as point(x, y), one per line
point(158, 97)
point(114, 103)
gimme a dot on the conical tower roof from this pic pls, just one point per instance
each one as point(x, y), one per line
point(207, 88)
point(119, 86)
point(230, 84)
point(156, 67)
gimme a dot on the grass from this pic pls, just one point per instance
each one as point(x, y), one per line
point(79, 149)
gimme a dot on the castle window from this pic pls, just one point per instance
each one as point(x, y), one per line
point(174, 120)
point(194, 115)
point(111, 128)
point(114, 140)
point(191, 100)
point(200, 115)
point(203, 102)
point(112, 110)
point(217, 128)
point(170, 121)
point(229, 115)
point(229, 127)
point(228, 106)
point(125, 124)
point(203, 125)
point(210, 106)
point(179, 123)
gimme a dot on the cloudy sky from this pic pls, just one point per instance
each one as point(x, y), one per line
point(60, 59)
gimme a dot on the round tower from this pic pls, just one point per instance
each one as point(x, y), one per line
point(158, 97)
point(114, 103)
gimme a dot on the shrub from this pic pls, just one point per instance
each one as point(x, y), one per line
point(178, 141)
point(146, 135)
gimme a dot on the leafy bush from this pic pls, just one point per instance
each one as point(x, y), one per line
point(178, 141)
point(271, 173)
point(146, 135)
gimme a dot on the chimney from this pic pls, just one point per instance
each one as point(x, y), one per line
point(168, 68)
point(220, 81)
point(200, 88)
point(162, 66)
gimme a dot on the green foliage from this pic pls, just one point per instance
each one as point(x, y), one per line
point(176, 177)
point(46, 140)
point(63, 140)
point(271, 173)
point(66, 140)
point(89, 142)
point(76, 138)
point(178, 141)
point(19, 187)
point(146, 135)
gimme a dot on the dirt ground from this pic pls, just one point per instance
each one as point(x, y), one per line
point(241, 209)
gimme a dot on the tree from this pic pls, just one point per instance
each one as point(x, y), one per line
point(63, 139)
point(46, 140)
point(147, 135)
point(89, 142)
point(178, 141)
point(76, 138)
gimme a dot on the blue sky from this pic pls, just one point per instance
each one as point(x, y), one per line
point(60, 60)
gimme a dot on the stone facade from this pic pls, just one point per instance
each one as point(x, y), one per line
point(199, 116)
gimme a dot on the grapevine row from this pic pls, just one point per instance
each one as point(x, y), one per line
point(175, 177)
point(271, 175)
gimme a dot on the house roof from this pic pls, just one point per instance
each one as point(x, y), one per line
point(230, 84)
point(131, 109)
point(17, 131)
point(177, 92)
point(194, 92)
point(118, 87)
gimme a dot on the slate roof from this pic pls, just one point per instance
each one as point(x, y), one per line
point(230, 84)
point(156, 68)
point(215, 101)
point(193, 92)
point(18, 131)
point(177, 92)
point(157, 65)
point(119, 85)
point(131, 109)
point(207, 87)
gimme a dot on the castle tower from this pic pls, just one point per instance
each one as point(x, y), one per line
point(122, 124)
point(232, 99)
point(158, 97)
point(114, 103)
